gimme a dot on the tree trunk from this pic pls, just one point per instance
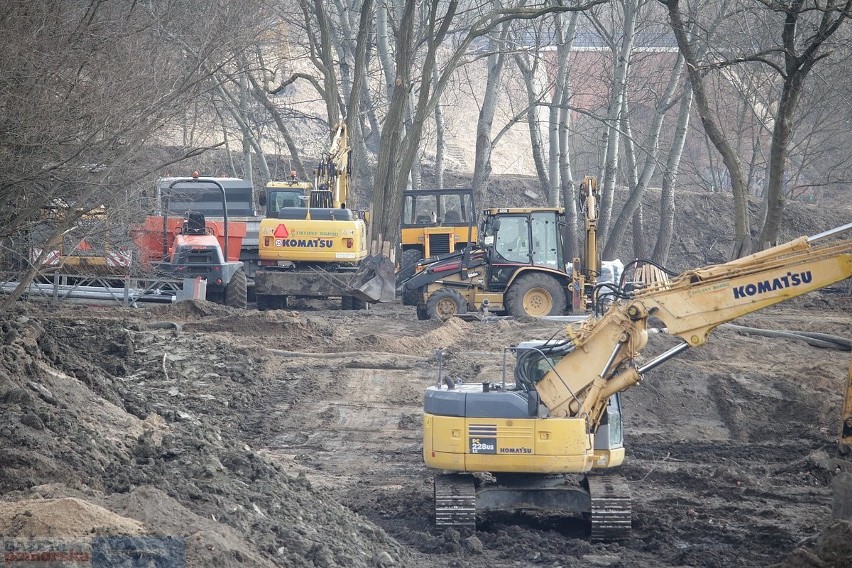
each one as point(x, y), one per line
point(556, 118)
point(566, 179)
point(638, 183)
point(248, 173)
point(383, 46)
point(638, 223)
point(618, 87)
point(482, 160)
point(386, 202)
point(329, 75)
point(440, 139)
point(742, 243)
point(536, 145)
point(667, 196)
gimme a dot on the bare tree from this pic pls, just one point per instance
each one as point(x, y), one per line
point(804, 33)
point(622, 49)
point(639, 182)
point(746, 59)
point(398, 150)
point(495, 63)
point(529, 68)
point(742, 244)
point(77, 116)
point(665, 231)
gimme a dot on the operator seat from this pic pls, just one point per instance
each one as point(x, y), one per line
point(194, 223)
point(452, 216)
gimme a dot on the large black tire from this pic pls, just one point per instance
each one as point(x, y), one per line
point(422, 314)
point(445, 303)
point(407, 265)
point(536, 295)
point(236, 292)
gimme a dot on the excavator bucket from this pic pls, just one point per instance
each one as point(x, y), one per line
point(375, 280)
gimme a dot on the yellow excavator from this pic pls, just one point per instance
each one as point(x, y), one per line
point(319, 250)
point(562, 413)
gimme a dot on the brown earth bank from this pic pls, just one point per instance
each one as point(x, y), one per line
point(293, 438)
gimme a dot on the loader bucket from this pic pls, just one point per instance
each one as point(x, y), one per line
point(375, 280)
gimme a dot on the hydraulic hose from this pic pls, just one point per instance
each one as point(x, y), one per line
point(822, 340)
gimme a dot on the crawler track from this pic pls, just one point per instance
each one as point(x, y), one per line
point(611, 511)
point(455, 500)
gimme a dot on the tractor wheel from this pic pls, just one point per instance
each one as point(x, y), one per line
point(445, 303)
point(407, 265)
point(236, 292)
point(536, 295)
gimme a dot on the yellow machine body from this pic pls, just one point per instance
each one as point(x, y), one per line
point(533, 445)
point(310, 239)
point(437, 221)
point(562, 412)
point(425, 237)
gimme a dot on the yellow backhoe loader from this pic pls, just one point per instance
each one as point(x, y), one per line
point(519, 268)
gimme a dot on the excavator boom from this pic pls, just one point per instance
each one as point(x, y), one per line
point(331, 186)
point(602, 350)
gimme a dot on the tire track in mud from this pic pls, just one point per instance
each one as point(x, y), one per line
point(345, 418)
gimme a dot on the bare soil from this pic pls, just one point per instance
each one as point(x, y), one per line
point(293, 438)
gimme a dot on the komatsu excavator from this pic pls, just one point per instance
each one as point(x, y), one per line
point(320, 250)
point(562, 413)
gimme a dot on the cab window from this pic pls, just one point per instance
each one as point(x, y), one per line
point(511, 239)
point(546, 245)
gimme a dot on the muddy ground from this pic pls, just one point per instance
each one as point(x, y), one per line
point(293, 437)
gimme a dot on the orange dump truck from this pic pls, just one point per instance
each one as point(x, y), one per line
point(190, 246)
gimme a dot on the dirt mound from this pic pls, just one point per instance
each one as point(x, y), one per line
point(831, 549)
point(100, 408)
point(67, 517)
point(293, 438)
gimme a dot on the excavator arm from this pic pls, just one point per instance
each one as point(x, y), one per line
point(331, 184)
point(600, 354)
